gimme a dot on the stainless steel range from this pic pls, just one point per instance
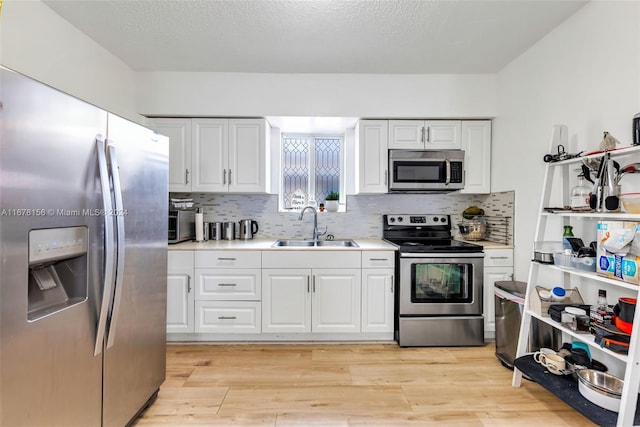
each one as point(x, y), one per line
point(439, 281)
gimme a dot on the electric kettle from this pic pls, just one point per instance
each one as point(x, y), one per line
point(248, 229)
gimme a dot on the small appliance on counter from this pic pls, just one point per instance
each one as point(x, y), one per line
point(248, 229)
point(182, 225)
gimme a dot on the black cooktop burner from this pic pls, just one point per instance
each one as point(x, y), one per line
point(423, 233)
point(436, 245)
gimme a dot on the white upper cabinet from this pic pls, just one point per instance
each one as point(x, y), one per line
point(179, 133)
point(217, 155)
point(209, 154)
point(476, 143)
point(425, 134)
point(406, 134)
point(371, 157)
point(248, 170)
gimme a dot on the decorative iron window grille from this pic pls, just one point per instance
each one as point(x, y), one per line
point(311, 165)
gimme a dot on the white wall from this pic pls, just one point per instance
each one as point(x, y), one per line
point(584, 74)
point(333, 95)
point(37, 42)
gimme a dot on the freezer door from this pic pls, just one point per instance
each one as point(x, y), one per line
point(134, 362)
point(49, 190)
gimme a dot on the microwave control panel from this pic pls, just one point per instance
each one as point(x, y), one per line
point(456, 172)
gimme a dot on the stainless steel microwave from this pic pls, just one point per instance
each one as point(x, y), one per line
point(426, 170)
point(182, 225)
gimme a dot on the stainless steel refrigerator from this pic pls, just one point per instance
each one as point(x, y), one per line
point(83, 251)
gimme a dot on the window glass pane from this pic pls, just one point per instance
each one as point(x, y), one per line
point(295, 167)
point(327, 162)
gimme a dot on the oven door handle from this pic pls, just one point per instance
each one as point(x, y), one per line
point(442, 255)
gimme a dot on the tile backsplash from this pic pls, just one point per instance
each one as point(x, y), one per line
point(363, 218)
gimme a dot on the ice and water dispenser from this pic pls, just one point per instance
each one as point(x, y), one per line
point(57, 270)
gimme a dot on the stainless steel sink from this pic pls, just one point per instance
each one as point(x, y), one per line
point(309, 243)
point(343, 243)
point(293, 243)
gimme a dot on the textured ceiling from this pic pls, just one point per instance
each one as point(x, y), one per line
point(314, 36)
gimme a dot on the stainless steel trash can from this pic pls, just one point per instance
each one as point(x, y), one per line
point(509, 303)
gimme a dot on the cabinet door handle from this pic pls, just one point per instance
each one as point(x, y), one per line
point(307, 284)
point(229, 176)
point(314, 283)
point(428, 134)
point(386, 177)
point(392, 282)
point(188, 283)
point(186, 176)
point(378, 259)
point(422, 134)
point(224, 176)
point(499, 257)
point(226, 317)
point(227, 284)
point(226, 259)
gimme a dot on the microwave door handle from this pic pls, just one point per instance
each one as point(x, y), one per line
point(447, 171)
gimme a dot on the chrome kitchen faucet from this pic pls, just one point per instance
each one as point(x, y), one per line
point(316, 233)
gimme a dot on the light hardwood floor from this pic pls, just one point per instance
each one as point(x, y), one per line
point(345, 385)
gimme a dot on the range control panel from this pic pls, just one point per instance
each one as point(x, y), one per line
point(418, 220)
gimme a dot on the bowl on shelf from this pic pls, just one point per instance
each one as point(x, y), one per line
point(600, 388)
point(543, 251)
point(473, 229)
point(630, 202)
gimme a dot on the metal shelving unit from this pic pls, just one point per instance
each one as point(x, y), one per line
point(631, 362)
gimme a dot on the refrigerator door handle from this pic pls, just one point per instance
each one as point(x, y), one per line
point(109, 262)
point(119, 213)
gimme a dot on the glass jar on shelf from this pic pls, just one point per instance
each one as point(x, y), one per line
point(580, 195)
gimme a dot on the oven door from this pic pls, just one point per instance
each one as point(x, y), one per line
point(440, 284)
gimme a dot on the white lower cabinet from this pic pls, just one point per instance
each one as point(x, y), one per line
point(498, 266)
point(255, 295)
point(311, 300)
point(335, 306)
point(180, 295)
point(378, 291)
point(228, 292)
point(286, 300)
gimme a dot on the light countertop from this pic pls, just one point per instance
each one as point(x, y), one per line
point(266, 245)
point(487, 244)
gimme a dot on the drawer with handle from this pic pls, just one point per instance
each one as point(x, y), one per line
point(498, 257)
point(228, 316)
point(228, 284)
point(378, 259)
point(228, 259)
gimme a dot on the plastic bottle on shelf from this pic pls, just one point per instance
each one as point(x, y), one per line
point(602, 299)
point(580, 195)
point(568, 232)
